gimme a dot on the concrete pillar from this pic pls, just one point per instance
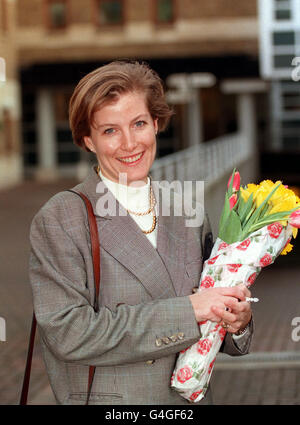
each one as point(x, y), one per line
point(187, 91)
point(245, 90)
point(46, 137)
point(194, 119)
point(247, 119)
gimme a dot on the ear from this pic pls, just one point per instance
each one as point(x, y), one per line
point(89, 143)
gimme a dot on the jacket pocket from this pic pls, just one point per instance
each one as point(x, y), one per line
point(95, 397)
point(194, 269)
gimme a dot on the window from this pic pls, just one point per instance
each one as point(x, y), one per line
point(110, 12)
point(282, 10)
point(164, 11)
point(57, 12)
point(282, 38)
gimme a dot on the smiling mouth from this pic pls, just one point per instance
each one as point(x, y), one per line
point(131, 159)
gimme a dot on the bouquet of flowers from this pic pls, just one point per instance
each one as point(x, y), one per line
point(256, 225)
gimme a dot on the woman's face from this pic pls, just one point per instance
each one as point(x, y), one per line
point(123, 138)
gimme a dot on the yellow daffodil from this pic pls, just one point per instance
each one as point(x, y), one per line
point(286, 249)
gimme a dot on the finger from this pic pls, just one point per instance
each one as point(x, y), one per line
point(231, 303)
point(232, 329)
point(226, 316)
point(241, 307)
point(234, 291)
point(246, 291)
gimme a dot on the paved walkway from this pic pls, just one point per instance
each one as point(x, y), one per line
point(278, 288)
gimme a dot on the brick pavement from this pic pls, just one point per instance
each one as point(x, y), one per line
point(278, 288)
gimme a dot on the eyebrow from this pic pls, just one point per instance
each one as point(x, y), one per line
point(111, 124)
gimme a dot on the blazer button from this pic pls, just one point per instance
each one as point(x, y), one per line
point(166, 340)
point(150, 362)
point(180, 335)
point(158, 342)
point(173, 338)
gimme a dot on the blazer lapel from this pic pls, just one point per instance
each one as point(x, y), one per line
point(171, 244)
point(124, 240)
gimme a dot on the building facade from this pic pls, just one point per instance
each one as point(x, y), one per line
point(10, 141)
point(59, 41)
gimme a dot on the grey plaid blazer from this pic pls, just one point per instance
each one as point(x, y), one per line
point(145, 316)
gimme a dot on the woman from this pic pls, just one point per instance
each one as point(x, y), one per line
point(150, 263)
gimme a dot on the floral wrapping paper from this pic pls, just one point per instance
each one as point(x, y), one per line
point(228, 265)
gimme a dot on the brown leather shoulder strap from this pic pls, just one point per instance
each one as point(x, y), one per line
point(26, 379)
point(95, 248)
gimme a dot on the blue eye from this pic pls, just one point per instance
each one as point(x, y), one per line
point(140, 123)
point(109, 131)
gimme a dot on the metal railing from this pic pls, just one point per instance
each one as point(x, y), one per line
point(207, 161)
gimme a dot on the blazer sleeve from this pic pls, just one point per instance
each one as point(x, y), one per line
point(71, 328)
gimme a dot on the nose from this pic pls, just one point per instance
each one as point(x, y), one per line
point(128, 141)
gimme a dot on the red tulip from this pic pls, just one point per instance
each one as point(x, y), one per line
point(232, 200)
point(236, 182)
point(295, 219)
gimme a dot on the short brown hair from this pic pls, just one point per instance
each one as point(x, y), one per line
point(105, 84)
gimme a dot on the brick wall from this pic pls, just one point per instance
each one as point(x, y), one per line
point(204, 9)
point(10, 157)
point(30, 13)
point(80, 11)
point(139, 10)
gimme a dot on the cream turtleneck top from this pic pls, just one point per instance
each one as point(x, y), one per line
point(135, 199)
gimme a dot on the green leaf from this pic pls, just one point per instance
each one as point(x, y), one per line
point(241, 204)
point(271, 218)
point(247, 209)
point(254, 217)
point(225, 212)
point(232, 229)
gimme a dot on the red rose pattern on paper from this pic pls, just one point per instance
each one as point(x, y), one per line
point(265, 260)
point(244, 245)
point(207, 282)
point(203, 346)
point(251, 279)
point(223, 245)
point(222, 333)
point(202, 323)
point(233, 268)
point(212, 260)
point(206, 348)
point(184, 374)
point(211, 366)
point(195, 395)
point(288, 241)
point(216, 327)
point(274, 230)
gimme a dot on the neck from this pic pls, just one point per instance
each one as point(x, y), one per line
point(123, 180)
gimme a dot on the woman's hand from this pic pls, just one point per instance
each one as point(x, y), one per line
point(238, 317)
point(226, 305)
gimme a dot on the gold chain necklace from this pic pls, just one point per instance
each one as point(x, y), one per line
point(150, 209)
